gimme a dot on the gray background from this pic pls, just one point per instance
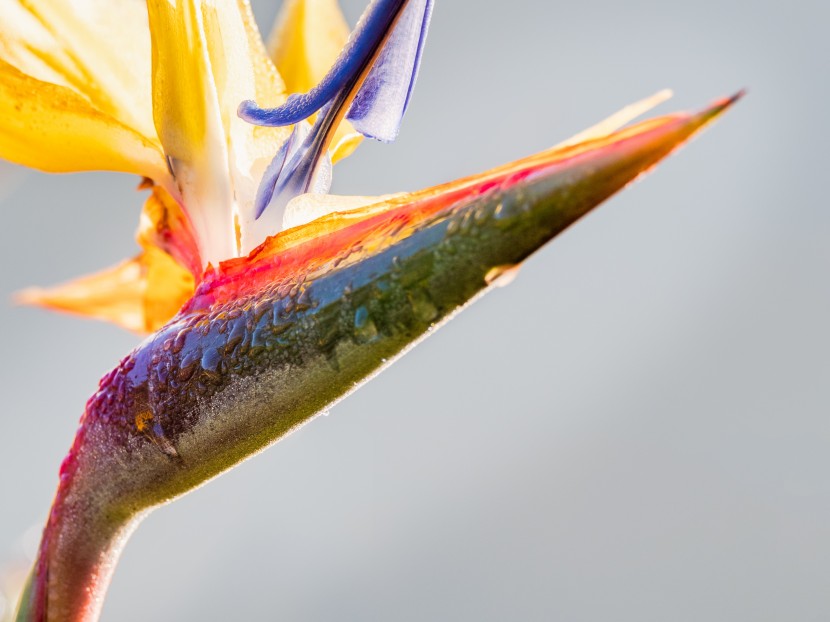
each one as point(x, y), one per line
point(636, 429)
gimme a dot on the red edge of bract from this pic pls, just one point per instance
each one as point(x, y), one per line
point(312, 249)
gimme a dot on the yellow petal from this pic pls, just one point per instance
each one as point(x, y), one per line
point(52, 128)
point(618, 119)
point(139, 294)
point(270, 87)
point(28, 45)
point(344, 141)
point(188, 118)
point(100, 48)
point(304, 43)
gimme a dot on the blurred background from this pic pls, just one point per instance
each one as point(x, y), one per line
point(636, 429)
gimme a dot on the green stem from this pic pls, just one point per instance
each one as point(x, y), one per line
point(80, 547)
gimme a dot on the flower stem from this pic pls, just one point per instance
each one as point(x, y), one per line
point(81, 543)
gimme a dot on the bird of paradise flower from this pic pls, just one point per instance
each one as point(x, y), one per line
point(266, 299)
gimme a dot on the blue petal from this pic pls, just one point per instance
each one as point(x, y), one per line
point(380, 104)
point(355, 59)
point(275, 169)
point(373, 77)
point(301, 165)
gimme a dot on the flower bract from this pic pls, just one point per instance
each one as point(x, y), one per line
point(265, 299)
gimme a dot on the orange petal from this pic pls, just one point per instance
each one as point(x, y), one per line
point(139, 294)
point(142, 293)
point(164, 225)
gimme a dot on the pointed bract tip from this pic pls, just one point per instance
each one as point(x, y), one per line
point(721, 105)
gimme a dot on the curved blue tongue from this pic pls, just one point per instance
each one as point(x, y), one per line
point(373, 76)
point(382, 100)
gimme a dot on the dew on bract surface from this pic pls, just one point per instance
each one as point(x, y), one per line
point(422, 305)
point(177, 343)
point(453, 225)
point(236, 337)
point(211, 359)
point(361, 317)
point(185, 371)
point(364, 328)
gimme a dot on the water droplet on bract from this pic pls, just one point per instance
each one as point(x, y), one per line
point(422, 306)
point(258, 339)
point(179, 341)
point(501, 276)
point(482, 214)
point(235, 337)
point(364, 328)
point(361, 317)
point(466, 224)
point(279, 329)
point(211, 359)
